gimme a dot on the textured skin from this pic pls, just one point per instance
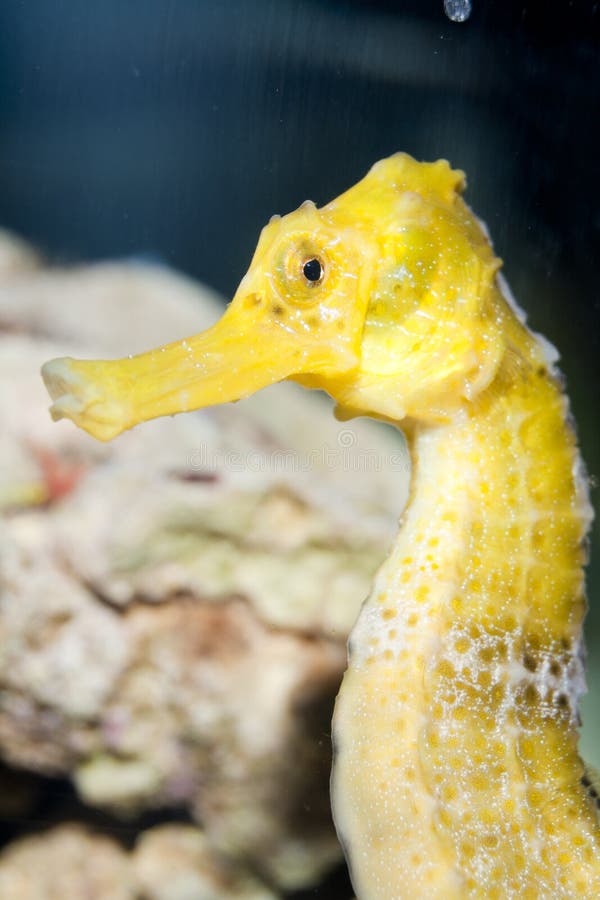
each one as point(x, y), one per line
point(456, 771)
point(456, 724)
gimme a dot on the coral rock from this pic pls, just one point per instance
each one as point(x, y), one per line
point(174, 606)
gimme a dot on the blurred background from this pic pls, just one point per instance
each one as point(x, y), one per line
point(173, 130)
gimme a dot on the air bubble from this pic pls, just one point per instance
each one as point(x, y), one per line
point(457, 10)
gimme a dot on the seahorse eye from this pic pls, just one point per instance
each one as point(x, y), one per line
point(313, 270)
point(301, 266)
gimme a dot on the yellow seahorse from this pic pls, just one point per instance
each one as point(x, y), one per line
point(456, 771)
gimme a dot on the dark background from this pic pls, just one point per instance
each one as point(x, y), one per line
point(176, 128)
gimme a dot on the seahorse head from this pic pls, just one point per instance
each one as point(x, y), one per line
point(385, 298)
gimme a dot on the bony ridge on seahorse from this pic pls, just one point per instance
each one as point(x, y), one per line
point(456, 771)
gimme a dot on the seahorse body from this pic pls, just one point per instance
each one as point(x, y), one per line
point(456, 770)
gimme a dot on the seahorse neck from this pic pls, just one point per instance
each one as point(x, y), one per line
point(500, 487)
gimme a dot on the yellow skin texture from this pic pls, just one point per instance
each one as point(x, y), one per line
point(456, 770)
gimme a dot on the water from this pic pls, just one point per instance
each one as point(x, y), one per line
point(457, 10)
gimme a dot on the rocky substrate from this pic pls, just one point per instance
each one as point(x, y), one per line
point(174, 606)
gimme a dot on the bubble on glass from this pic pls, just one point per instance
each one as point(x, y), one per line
point(457, 10)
